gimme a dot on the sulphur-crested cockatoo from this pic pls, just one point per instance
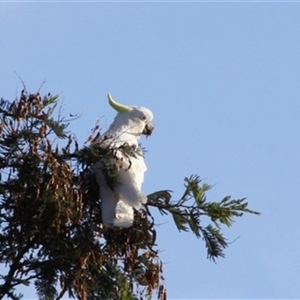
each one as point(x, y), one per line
point(118, 202)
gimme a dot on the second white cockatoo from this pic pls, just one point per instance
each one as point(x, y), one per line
point(119, 201)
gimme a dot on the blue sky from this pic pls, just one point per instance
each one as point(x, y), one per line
point(222, 80)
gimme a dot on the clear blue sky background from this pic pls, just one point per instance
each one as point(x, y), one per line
point(223, 82)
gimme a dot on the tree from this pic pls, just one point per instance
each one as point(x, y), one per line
point(51, 232)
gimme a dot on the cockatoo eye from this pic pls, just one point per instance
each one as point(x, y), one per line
point(144, 118)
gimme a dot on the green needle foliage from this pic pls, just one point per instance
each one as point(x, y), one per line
point(51, 233)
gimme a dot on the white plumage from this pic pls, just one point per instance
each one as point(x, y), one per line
point(118, 204)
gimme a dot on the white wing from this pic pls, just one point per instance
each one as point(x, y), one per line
point(117, 205)
point(131, 177)
point(115, 212)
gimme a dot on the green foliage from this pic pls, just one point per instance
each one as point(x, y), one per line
point(51, 233)
point(190, 210)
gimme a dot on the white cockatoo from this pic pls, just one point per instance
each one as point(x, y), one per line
point(118, 203)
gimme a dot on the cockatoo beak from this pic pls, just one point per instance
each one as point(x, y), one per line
point(148, 129)
point(117, 106)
